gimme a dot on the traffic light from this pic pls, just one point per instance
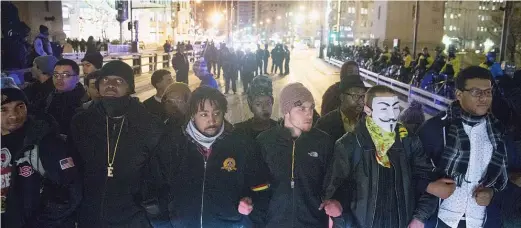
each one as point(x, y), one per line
point(178, 6)
point(129, 25)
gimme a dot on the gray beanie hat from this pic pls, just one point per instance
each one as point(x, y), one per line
point(294, 95)
point(46, 63)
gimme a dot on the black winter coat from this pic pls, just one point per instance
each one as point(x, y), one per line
point(37, 92)
point(63, 106)
point(332, 124)
point(44, 189)
point(115, 201)
point(312, 152)
point(181, 66)
point(207, 191)
point(354, 182)
point(249, 63)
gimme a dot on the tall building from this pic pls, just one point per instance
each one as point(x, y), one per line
point(393, 22)
point(246, 13)
point(352, 20)
point(473, 24)
point(274, 19)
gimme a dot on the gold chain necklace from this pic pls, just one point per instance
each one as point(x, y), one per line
point(110, 162)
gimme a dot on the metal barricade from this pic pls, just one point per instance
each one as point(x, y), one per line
point(428, 99)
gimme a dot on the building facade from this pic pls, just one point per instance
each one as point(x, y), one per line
point(393, 23)
point(350, 21)
point(473, 24)
point(36, 13)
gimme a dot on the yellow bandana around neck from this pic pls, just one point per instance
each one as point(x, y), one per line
point(382, 141)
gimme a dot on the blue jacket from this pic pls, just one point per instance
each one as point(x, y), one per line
point(431, 134)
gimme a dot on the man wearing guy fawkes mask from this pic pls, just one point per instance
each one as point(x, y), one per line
point(115, 140)
point(387, 166)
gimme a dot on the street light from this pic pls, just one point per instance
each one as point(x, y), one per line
point(278, 17)
point(261, 23)
point(268, 20)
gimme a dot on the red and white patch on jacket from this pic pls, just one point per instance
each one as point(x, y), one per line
point(25, 171)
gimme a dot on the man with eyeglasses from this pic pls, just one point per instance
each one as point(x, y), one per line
point(343, 119)
point(467, 146)
point(67, 96)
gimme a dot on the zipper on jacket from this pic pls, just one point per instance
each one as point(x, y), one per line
point(202, 191)
point(293, 185)
point(375, 198)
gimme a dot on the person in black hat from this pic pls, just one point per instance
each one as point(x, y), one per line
point(41, 44)
point(91, 62)
point(343, 119)
point(115, 140)
point(331, 98)
point(39, 178)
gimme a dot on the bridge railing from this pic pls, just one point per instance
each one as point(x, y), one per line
point(428, 99)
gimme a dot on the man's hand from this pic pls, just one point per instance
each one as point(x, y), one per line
point(415, 223)
point(442, 188)
point(332, 208)
point(245, 206)
point(483, 195)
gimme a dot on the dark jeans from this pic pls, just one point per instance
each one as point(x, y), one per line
point(277, 65)
point(230, 78)
point(219, 67)
point(246, 78)
point(265, 62)
point(286, 67)
point(182, 77)
point(441, 224)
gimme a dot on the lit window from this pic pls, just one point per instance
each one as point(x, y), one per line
point(444, 28)
point(444, 15)
point(459, 14)
point(451, 16)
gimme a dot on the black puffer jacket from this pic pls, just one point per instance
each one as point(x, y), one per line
point(63, 106)
point(298, 206)
point(354, 181)
point(115, 201)
point(208, 190)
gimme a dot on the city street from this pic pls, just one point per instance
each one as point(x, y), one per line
point(305, 68)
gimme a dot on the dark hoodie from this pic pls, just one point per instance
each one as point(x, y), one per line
point(115, 201)
point(40, 194)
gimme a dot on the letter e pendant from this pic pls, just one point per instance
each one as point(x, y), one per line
point(109, 171)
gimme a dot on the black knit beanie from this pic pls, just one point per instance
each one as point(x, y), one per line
point(118, 68)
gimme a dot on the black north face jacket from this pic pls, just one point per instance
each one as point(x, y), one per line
point(297, 206)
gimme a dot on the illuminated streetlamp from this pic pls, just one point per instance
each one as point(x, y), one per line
point(261, 23)
point(278, 17)
point(268, 20)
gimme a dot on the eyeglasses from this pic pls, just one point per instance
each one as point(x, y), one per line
point(63, 75)
point(475, 92)
point(356, 96)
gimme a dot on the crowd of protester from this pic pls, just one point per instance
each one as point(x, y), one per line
point(92, 155)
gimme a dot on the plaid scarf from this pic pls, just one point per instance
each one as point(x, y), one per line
point(455, 158)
